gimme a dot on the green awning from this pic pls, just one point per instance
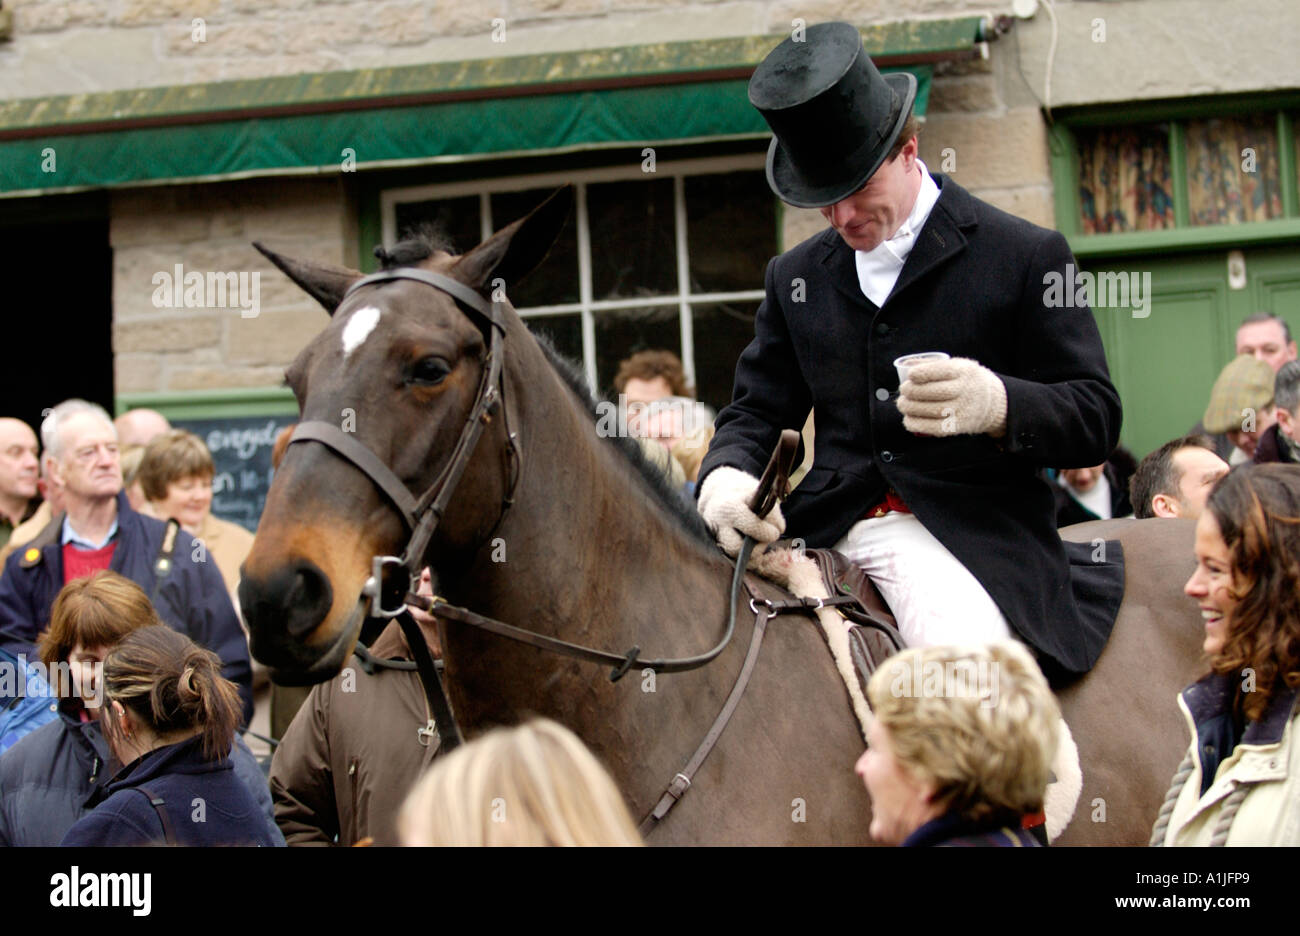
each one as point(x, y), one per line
point(667, 93)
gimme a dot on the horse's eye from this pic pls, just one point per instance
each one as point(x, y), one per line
point(430, 371)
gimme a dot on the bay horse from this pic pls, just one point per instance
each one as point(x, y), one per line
point(561, 531)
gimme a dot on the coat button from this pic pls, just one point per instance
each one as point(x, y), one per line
point(882, 329)
point(882, 394)
point(886, 456)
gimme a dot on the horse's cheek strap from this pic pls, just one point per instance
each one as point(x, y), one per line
point(370, 464)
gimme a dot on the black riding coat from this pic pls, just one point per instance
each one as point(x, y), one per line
point(973, 286)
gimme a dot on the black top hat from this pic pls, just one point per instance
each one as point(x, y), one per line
point(834, 115)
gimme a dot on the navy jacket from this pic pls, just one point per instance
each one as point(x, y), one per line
point(205, 802)
point(952, 831)
point(48, 778)
point(193, 597)
point(974, 286)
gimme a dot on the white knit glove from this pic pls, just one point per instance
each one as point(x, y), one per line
point(724, 505)
point(953, 397)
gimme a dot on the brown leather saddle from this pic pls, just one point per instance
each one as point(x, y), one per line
point(873, 633)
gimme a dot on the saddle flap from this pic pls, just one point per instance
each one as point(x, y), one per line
point(842, 576)
point(869, 647)
point(874, 636)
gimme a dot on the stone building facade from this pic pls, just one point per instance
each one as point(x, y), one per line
point(76, 71)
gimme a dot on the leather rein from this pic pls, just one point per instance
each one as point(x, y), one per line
point(389, 598)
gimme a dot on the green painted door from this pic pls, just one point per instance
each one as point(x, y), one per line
point(1164, 363)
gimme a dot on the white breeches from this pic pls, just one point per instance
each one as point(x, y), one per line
point(933, 596)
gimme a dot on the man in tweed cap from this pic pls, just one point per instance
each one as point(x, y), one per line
point(1241, 405)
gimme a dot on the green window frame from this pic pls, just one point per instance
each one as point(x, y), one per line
point(1064, 149)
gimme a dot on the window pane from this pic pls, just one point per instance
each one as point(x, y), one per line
point(455, 218)
point(730, 230)
point(721, 332)
point(624, 332)
point(1124, 179)
point(564, 332)
point(632, 239)
point(556, 279)
point(1232, 170)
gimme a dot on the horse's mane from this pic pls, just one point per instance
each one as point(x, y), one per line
point(672, 500)
point(430, 239)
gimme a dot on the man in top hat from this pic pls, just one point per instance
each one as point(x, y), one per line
point(933, 487)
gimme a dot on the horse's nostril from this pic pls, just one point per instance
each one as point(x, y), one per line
point(307, 600)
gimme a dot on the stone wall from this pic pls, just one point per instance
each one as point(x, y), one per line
point(70, 46)
point(1125, 50)
point(208, 229)
point(984, 126)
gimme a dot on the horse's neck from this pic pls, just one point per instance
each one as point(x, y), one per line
point(590, 555)
point(590, 543)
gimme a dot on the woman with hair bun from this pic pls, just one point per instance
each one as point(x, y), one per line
point(170, 717)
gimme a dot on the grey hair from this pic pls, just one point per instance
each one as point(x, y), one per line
point(1256, 318)
point(52, 424)
point(1286, 386)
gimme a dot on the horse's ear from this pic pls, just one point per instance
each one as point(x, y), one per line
point(323, 282)
point(515, 251)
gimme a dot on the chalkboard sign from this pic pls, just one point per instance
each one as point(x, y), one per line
point(241, 451)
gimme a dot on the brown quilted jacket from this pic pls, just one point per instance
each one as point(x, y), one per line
point(352, 752)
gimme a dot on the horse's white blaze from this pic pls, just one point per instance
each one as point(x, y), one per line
point(358, 328)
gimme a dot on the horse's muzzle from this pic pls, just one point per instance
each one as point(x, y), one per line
point(284, 611)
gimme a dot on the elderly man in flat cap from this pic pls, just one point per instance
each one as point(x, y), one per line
point(932, 486)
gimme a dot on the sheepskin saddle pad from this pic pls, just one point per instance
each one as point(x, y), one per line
point(861, 636)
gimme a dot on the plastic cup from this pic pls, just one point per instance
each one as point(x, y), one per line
point(905, 363)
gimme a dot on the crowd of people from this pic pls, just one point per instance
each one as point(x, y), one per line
point(926, 467)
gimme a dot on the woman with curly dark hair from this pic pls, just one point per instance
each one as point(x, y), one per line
point(170, 717)
point(1240, 781)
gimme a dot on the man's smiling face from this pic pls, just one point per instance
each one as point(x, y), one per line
point(872, 214)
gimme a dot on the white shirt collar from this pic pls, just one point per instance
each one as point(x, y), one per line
point(878, 269)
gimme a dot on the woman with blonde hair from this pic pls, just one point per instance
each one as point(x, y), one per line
point(961, 746)
point(1240, 781)
point(170, 717)
point(536, 784)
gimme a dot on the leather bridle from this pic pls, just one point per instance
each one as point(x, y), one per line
point(422, 515)
point(388, 598)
